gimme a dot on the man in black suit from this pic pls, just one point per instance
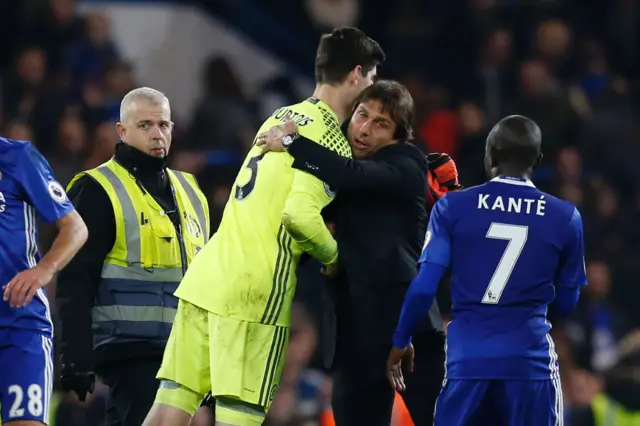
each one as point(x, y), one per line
point(380, 220)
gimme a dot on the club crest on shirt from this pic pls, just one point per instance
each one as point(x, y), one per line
point(427, 239)
point(331, 193)
point(57, 191)
point(192, 225)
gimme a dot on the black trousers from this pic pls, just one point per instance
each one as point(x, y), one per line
point(132, 390)
point(369, 401)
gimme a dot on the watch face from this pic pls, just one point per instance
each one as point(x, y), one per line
point(286, 141)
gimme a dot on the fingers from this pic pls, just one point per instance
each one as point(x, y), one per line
point(396, 379)
point(20, 291)
point(14, 292)
point(261, 139)
point(289, 126)
point(9, 288)
point(19, 294)
point(30, 294)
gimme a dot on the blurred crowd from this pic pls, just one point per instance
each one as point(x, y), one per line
point(572, 66)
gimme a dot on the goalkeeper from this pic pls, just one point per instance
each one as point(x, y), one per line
point(232, 326)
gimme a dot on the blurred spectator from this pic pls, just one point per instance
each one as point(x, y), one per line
point(553, 47)
point(89, 55)
point(492, 81)
point(223, 119)
point(330, 14)
point(597, 324)
point(473, 133)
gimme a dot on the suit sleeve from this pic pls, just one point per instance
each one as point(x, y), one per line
point(435, 260)
point(78, 282)
point(302, 214)
point(396, 175)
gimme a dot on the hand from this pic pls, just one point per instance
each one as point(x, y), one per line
point(81, 383)
point(330, 270)
point(271, 140)
point(442, 177)
point(399, 360)
point(21, 289)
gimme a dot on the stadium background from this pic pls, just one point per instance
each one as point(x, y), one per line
point(225, 64)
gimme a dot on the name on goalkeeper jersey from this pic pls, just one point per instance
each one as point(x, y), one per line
point(512, 204)
point(296, 117)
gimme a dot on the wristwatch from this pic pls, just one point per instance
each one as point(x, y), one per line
point(287, 140)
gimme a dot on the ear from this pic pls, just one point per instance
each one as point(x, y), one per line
point(539, 159)
point(355, 74)
point(122, 132)
point(493, 158)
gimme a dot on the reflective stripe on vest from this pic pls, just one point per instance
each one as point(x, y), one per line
point(135, 301)
point(131, 227)
point(195, 202)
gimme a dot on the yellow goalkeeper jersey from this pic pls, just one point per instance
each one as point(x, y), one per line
point(248, 268)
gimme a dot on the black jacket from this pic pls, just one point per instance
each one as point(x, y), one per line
point(380, 219)
point(78, 282)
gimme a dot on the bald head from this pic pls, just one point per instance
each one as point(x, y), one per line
point(145, 94)
point(515, 144)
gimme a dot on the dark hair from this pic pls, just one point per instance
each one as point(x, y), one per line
point(515, 140)
point(396, 99)
point(344, 49)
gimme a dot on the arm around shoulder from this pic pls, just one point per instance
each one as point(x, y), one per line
point(401, 172)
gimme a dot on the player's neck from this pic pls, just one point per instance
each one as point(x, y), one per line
point(334, 97)
point(512, 172)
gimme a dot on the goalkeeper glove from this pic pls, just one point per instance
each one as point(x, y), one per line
point(442, 177)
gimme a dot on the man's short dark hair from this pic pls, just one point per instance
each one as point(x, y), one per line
point(341, 51)
point(397, 101)
point(515, 140)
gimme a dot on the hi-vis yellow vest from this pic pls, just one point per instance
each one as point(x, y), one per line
point(607, 412)
point(135, 300)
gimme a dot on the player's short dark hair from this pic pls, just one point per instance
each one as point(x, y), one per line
point(341, 51)
point(395, 99)
point(516, 140)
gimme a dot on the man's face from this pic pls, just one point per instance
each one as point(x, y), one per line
point(147, 127)
point(370, 129)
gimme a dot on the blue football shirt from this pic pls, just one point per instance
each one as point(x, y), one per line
point(508, 245)
point(28, 190)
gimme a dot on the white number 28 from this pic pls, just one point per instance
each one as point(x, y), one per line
point(34, 404)
point(517, 237)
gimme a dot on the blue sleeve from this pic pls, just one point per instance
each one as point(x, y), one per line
point(571, 275)
point(417, 302)
point(41, 189)
point(437, 241)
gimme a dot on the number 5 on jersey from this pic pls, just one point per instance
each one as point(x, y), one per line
point(517, 237)
point(243, 191)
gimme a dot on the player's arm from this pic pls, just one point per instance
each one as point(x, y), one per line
point(434, 262)
point(302, 213)
point(302, 217)
point(571, 276)
point(401, 174)
point(50, 201)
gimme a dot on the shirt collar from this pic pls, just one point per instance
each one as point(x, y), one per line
point(513, 181)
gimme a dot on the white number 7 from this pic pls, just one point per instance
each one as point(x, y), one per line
point(517, 237)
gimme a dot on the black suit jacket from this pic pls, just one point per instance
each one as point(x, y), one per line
point(380, 219)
